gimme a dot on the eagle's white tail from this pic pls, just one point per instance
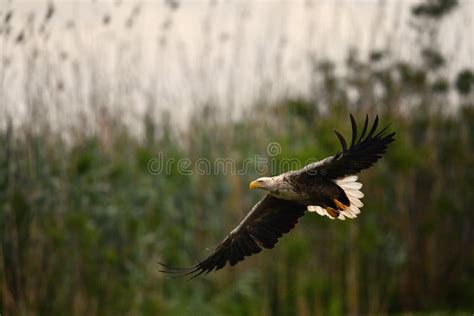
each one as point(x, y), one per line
point(352, 189)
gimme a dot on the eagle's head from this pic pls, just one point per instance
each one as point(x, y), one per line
point(265, 183)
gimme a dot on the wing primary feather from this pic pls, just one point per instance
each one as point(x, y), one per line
point(341, 140)
point(185, 274)
point(232, 260)
point(270, 234)
point(243, 248)
point(179, 273)
point(379, 134)
point(258, 240)
point(374, 127)
point(364, 130)
point(354, 130)
point(199, 271)
point(174, 269)
point(261, 238)
point(254, 248)
point(221, 263)
point(196, 275)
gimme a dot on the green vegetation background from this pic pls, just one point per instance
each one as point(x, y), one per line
point(84, 223)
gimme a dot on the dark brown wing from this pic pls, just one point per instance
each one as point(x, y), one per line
point(268, 220)
point(363, 152)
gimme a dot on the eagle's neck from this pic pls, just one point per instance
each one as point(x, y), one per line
point(282, 188)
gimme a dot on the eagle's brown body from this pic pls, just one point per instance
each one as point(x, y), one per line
point(309, 190)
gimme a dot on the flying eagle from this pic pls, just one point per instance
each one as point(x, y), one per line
point(328, 187)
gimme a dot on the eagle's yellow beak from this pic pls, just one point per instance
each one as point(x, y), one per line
point(254, 185)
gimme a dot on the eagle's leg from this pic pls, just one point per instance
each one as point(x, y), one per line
point(335, 209)
point(340, 206)
point(333, 212)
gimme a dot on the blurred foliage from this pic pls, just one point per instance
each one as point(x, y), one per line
point(83, 221)
point(434, 8)
point(465, 82)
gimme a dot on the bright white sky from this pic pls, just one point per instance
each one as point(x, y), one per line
point(226, 52)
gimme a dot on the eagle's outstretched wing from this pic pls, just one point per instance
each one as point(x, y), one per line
point(268, 220)
point(362, 153)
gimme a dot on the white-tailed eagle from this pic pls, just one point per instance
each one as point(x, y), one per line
point(328, 187)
